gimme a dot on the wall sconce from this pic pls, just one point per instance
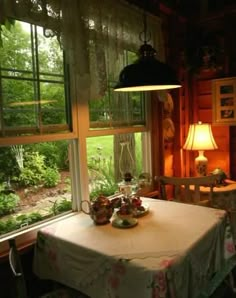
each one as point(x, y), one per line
point(200, 138)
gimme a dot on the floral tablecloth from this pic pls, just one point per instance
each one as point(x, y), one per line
point(224, 197)
point(174, 251)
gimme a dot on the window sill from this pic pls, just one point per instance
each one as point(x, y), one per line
point(27, 237)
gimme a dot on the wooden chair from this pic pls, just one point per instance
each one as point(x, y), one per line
point(20, 287)
point(16, 267)
point(186, 189)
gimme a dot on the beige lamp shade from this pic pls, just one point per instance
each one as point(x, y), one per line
point(200, 138)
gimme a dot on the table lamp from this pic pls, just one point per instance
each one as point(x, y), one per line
point(200, 138)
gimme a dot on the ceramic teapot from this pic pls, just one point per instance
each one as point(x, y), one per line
point(100, 210)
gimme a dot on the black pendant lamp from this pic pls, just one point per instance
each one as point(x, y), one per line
point(146, 73)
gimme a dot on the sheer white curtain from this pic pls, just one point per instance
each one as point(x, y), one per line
point(94, 34)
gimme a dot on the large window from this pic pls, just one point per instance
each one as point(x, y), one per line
point(110, 157)
point(60, 142)
point(121, 118)
point(33, 91)
point(35, 182)
point(115, 110)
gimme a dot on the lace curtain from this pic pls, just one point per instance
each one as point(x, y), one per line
point(94, 35)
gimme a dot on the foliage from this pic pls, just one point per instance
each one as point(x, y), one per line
point(16, 55)
point(9, 225)
point(62, 206)
point(7, 25)
point(67, 181)
point(29, 219)
point(8, 164)
point(8, 202)
point(101, 172)
point(105, 189)
point(51, 177)
point(12, 224)
point(33, 171)
point(138, 151)
point(56, 153)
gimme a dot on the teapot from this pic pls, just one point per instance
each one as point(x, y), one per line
point(100, 210)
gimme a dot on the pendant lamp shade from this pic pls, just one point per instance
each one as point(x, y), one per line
point(147, 73)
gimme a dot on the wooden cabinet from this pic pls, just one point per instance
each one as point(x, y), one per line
point(224, 101)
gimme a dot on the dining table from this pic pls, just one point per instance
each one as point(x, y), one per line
point(223, 197)
point(175, 250)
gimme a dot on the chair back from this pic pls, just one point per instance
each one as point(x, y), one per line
point(187, 189)
point(17, 270)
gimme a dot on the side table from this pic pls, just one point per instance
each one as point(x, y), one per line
point(224, 197)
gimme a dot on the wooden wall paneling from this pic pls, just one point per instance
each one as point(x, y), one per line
point(193, 118)
point(233, 152)
point(175, 45)
point(218, 159)
point(203, 112)
point(204, 101)
point(204, 86)
point(175, 168)
point(184, 124)
point(157, 150)
point(205, 115)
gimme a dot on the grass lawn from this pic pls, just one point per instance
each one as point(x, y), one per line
point(105, 145)
point(103, 142)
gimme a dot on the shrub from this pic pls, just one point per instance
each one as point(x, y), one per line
point(8, 164)
point(29, 218)
point(56, 153)
point(12, 224)
point(9, 225)
point(62, 206)
point(33, 171)
point(51, 177)
point(8, 203)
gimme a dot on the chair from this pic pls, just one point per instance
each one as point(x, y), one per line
point(17, 270)
point(186, 189)
point(20, 286)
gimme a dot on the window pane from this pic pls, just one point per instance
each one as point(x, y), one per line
point(52, 103)
point(118, 109)
point(33, 93)
point(49, 55)
point(18, 103)
point(109, 158)
point(34, 184)
point(16, 52)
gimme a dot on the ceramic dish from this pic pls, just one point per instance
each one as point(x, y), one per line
point(140, 213)
point(124, 223)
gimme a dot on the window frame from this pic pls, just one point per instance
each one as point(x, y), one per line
point(78, 154)
point(37, 80)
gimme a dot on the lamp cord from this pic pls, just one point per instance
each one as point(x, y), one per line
point(143, 36)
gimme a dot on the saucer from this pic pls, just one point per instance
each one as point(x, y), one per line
point(140, 213)
point(124, 223)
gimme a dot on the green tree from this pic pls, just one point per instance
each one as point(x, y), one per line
point(17, 60)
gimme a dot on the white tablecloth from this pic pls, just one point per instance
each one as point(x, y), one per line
point(173, 252)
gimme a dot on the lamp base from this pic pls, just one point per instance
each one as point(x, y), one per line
point(201, 164)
